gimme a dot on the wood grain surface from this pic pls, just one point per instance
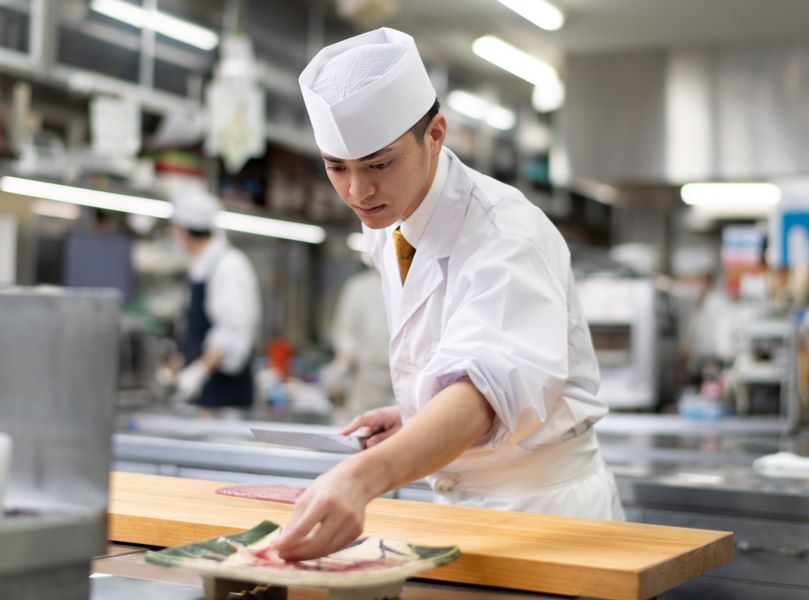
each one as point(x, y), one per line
point(560, 555)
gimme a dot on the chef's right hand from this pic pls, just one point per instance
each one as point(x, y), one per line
point(375, 425)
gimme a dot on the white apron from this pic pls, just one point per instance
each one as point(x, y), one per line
point(567, 479)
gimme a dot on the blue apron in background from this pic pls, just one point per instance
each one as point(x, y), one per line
point(221, 389)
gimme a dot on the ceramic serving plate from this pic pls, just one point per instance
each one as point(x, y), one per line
point(246, 556)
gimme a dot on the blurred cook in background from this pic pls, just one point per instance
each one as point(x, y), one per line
point(358, 379)
point(706, 330)
point(224, 308)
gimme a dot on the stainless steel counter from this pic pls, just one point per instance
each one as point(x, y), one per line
point(657, 460)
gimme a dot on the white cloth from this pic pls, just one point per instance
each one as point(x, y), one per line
point(232, 302)
point(361, 332)
point(782, 464)
point(490, 296)
point(363, 93)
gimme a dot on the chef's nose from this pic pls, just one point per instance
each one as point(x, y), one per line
point(360, 186)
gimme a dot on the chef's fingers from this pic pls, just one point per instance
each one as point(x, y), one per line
point(332, 535)
point(381, 436)
point(355, 424)
point(300, 524)
point(365, 424)
point(376, 420)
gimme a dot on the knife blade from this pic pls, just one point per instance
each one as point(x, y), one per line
point(310, 441)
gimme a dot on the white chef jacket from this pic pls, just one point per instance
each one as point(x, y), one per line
point(490, 297)
point(232, 302)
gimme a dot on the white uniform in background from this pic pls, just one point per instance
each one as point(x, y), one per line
point(361, 335)
point(224, 306)
point(232, 302)
point(706, 312)
point(490, 296)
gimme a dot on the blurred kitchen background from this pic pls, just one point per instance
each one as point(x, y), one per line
point(668, 141)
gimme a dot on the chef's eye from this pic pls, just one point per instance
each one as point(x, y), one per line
point(335, 168)
point(381, 166)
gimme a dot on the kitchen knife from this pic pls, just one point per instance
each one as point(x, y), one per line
point(310, 441)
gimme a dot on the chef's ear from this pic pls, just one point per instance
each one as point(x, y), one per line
point(437, 133)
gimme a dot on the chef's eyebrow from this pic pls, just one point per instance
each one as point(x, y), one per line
point(371, 156)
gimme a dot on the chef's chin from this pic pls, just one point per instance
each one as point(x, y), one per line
point(378, 220)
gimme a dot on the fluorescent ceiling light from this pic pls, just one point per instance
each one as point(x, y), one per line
point(468, 104)
point(476, 107)
point(178, 29)
point(356, 241)
point(548, 96)
point(84, 197)
point(514, 60)
point(288, 230)
point(549, 91)
point(501, 118)
point(541, 13)
point(731, 195)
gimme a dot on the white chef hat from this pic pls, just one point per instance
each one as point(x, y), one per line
point(692, 261)
point(365, 92)
point(194, 208)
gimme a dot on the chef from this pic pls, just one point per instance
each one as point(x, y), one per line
point(707, 313)
point(223, 311)
point(493, 367)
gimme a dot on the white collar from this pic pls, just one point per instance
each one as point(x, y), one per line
point(413, 227)
point(203, 264)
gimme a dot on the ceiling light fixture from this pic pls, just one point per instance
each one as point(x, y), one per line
point(475, 107)
point(150, 207)
point(731, 195)
point(288, 230)
point(178, 29)
point(541, 13)
point(513, 60)
point(85, 197)
point(549, 93)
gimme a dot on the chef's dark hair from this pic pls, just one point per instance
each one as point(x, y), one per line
point(420, 128)
point(199, 234)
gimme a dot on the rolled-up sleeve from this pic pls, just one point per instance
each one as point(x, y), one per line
point(506, 330)
point(233, 306)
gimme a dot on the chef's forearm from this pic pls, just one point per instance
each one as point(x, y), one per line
point(453, 421)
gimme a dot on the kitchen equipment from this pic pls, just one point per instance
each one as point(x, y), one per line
point(623, 324)
point(58, 359)
point(5, 459)
point(310, 441)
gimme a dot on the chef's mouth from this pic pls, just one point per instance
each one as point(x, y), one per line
point(369, 210)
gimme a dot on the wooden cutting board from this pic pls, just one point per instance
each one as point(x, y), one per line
point(559, 555)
